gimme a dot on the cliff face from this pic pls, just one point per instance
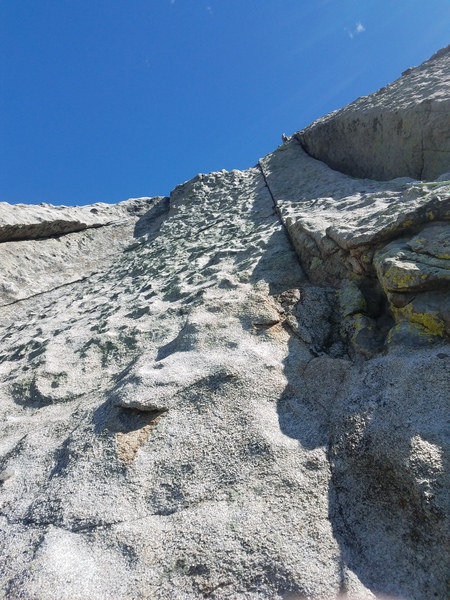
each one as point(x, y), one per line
point(401, 130)
point(240, 391)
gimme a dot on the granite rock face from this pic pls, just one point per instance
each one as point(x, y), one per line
point(240, 391)
point(401, 130)
point(389, 240)
point(55, 246)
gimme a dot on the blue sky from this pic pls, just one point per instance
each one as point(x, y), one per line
point(102, 100)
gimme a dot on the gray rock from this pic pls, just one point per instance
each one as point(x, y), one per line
point(22, 222)
point(433, 240)
point(351, 300)
point(402, 270)
point(59, 255)
point(335, 221)
point(401, 130)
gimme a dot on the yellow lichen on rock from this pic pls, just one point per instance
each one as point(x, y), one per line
point(431, 321)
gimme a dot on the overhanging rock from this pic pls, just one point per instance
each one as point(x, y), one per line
point(401, 130)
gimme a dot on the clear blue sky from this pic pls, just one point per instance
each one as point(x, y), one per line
point(102, 100)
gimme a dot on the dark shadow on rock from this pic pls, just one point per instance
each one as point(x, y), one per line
point(149, 223)
point(392, 527)
point(117, 419)
point(390, 513)
point(181, 343)
point(25, 393)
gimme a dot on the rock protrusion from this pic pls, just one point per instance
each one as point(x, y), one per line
point(415, 274)
point(401, 130)
point(385, 244)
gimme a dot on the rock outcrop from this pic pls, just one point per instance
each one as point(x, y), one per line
point(240, 391)
point(401, 130)
point(384, 244)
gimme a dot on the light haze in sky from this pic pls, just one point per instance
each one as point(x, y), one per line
point(102, 100)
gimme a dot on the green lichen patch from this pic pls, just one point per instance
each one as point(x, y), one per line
point(112, 348)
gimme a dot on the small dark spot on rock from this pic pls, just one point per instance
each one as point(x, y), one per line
point(198, 570)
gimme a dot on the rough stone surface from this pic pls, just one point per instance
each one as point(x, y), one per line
point(389, 239)
point(77, 242)
point(433, 240)
point(402, 270)
point(239, 392)
point(22, 222)
point(401, 130)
